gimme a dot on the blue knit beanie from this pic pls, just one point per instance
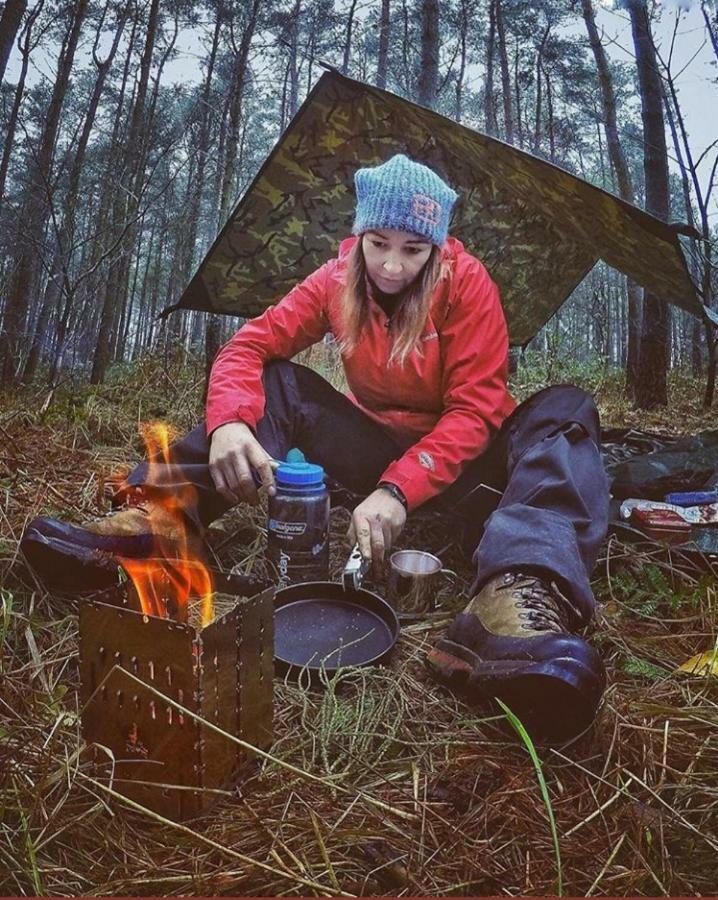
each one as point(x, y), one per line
point(404, 195)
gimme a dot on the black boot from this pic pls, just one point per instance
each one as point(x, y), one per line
point(514, 641)
point(69, 558)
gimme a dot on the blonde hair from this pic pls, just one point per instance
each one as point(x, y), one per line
point(408, 320)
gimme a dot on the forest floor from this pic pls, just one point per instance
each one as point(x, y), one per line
point(628, 809)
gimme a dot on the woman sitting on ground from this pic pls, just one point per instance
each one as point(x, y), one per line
point(424, 346)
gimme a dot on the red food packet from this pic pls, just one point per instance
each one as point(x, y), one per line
point(662, 525)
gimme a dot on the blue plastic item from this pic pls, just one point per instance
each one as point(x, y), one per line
point(298, 523)
point(297, 474)
point(692, 498)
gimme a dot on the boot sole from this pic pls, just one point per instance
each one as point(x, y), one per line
point(556, 700)
point(66, 566)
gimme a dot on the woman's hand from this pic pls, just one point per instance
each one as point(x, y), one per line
point(376, 524)
point(233, 452)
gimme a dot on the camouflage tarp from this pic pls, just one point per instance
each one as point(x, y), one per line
point(537, 228)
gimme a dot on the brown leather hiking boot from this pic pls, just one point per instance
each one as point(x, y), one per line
point(514, 642)
point(147, 518)
point(513, 604)
point(85, 557)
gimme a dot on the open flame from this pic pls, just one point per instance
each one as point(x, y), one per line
point(176, 573)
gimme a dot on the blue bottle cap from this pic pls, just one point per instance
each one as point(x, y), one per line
point(297, 472)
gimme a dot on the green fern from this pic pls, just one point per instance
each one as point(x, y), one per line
point(634, 665)
point(646, 591)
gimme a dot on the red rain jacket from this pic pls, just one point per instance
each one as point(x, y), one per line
point(444, 405)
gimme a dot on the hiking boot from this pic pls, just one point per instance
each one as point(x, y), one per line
point(514, 642)
point(85, 557)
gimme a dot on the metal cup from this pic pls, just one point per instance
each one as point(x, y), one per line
point(414, 580)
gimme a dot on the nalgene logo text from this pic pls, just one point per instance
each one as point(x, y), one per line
point(287, 529)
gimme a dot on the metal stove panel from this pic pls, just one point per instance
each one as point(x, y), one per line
point(148, 738)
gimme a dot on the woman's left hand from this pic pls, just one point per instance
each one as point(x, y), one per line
point(376, 524)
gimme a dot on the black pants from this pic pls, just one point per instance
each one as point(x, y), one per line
point(551, 516)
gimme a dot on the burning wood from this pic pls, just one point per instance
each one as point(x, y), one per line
point(163, 585)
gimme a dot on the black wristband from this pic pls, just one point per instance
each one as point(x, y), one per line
point(396, 492)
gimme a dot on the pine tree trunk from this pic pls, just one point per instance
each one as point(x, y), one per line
point(9, 136)
point(711, 27)
point(707, 268)
point(489, 100)
point(428, 80)
point(539, 88)
point(348, 38)
point(234, 114)
point(293, 67)
point(696, 349)
point(623, 178)
point(517, 94)
point(549, 109)
point(711, 338)
point(234, 109)
point(383, 57)
point(196, 181)
point(212, 344)
point(195, 202)
point(696, 331)
point(458, 106)
point(406, 48)
point(634, 302)
point(505, 76)
point(12, 14)
point(651, 387)
point(125, 304)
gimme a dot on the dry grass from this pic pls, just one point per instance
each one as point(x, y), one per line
point(461, 810)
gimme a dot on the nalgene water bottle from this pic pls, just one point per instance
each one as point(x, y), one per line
point(298, 527)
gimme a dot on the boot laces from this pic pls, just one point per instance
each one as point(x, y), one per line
point(135, 498)
point(547, 609)
point(111, 513)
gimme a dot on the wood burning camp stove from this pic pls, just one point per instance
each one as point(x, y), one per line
point(134, 665)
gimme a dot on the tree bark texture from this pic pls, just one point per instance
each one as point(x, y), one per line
point(623, 179)
point(348, 38)
point(539, 88)
point(234, 115)
point(463, 34)
point(292, 62)
point(489, 98)
point(711, 26)
point(505, 75)
point(236, 99)
point(428, 82)
point(702, 197)
point(10, 20)
point(383, 57)
point(651, 387)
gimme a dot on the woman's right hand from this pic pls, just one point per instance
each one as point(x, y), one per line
point(233, 452)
